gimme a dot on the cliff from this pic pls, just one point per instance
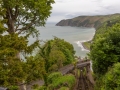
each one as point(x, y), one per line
point(87, 21)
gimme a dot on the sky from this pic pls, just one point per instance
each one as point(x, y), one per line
point(66, 9)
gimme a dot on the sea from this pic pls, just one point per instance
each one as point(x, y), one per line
point(73, 35)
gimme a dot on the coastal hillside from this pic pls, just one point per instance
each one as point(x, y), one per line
point(101, 29)
point(88, 21)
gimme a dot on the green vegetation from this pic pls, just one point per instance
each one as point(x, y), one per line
point(64, 88)
point(102, 28)
point(88, 21)
point(111, 81)
point(55, 54)
point(18, 66)
point(58, 81)
point(105, 49)
point(19, 17)
point(105, 53)
point(86, 45)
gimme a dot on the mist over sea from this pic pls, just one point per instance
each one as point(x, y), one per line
point(74, 35)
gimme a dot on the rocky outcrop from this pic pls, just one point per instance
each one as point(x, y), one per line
point(87, 21)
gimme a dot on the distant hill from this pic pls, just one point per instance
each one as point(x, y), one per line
point(88, 21)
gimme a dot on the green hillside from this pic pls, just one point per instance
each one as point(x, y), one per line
point(102, 28)
point(88, 21)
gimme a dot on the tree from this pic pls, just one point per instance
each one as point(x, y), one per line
point(66, 48)
point(111, 81)
point(55, 53)
point(18, 17)
point(28, 13)
point(22, 16)
point(105, 50)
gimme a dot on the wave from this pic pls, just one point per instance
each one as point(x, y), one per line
point(79, 43)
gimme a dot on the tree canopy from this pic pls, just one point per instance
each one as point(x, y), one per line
point(23, 15)
point(18, 21)
point(55, 54)
point(105, 49)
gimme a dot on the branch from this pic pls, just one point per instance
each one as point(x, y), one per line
point(24, 28)
point(11, 13)
point(17, 26)
point(14, 17)
point(16, 11)
point(28, 26)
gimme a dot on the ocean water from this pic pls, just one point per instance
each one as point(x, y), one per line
point(74, 35)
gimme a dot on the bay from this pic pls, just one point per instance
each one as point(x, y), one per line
point(73, 35)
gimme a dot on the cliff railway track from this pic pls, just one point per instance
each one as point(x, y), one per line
point(84, 81)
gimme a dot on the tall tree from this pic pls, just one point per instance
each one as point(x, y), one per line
point(23, 15)
point(19, 17)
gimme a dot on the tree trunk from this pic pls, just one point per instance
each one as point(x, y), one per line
point(10, 25)
point(10, 20)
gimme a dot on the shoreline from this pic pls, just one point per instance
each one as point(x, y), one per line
point(84, 46)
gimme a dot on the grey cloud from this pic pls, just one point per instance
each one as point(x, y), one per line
point(64, 9)
point(59, 1)
point(57, 13)
point(70, 15)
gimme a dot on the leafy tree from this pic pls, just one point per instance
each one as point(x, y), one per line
point(56, 60)
point(34, 68)
point(28, 13)
point(111, 81)
point(105, 50)
point(66, 48)
point(18, 17)
point(11, 65)
point(55, 53)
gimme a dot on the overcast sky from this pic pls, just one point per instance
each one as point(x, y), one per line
point(64, 9)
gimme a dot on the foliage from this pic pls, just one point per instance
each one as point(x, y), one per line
point(53, 76)
point(87, 44)
point(57, 81)
point(105, 26)
point(65, 47)
point(105, 50)
point(55, 54)
point(28, 13)
point(18, 19)
point(64, 88)
point(13, 88)
point(67, 80)
point(11, 68)
point(34, 68)
point(111, 81)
